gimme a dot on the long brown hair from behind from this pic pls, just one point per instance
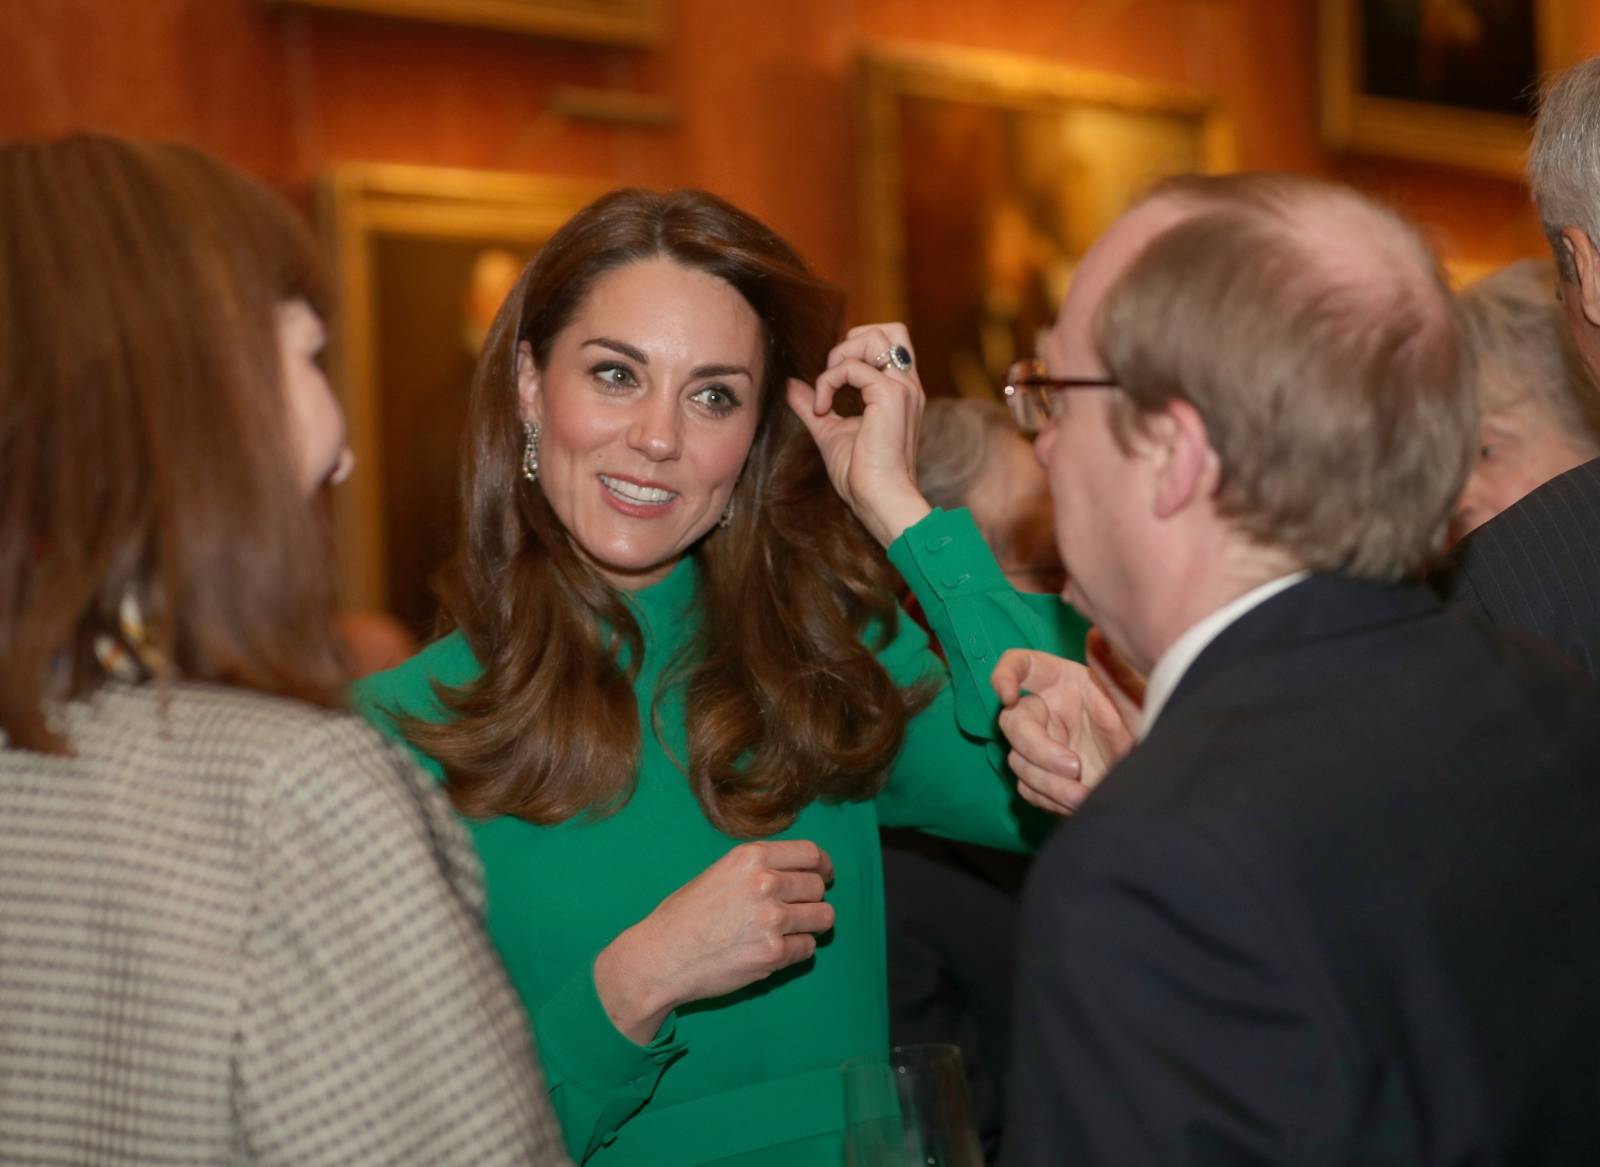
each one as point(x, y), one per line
point(145, 459)
point(785, 703)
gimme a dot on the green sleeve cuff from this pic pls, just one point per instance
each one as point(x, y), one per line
point(943, 556)
point(598, 1078)
point(973, 610)
point(578, 1043)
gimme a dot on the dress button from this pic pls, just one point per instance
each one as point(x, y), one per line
point(937, 543)
point(955, 581)
point(976, 648)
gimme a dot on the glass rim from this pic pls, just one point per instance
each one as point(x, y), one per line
point(1030, 392)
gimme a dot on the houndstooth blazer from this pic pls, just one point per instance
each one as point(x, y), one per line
point(235, 928)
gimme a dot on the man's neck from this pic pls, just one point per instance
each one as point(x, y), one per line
point(1175, 661)
point(1216, 578)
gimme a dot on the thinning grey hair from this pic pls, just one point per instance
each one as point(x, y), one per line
point(1524, 351)
point(1312, 331)
point(1564, 161)
point(957, 433)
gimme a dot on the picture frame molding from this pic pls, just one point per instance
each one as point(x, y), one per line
point(1417, 131)
point(620, 22)
point(356, 203)
point(887, 73)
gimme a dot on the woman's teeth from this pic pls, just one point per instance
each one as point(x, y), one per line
point(633, 492)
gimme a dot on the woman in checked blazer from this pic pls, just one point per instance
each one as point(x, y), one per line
point(234, 926)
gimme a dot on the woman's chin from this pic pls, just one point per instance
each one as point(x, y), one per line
point(629, 573)
point(631, 563)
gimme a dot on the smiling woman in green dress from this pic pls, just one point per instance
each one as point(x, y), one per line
point(678, 701)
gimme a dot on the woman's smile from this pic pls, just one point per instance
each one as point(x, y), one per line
point(644, 500)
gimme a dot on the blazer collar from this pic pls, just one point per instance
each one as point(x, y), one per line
point(1319, 607)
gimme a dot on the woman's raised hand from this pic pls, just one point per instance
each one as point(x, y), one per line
point(752, 912)
point(872, 459)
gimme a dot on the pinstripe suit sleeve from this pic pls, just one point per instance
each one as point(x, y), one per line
point(1537, 565)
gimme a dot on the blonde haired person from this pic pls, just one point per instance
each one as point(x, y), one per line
point(1537, 566)
point(234, 925)
point(951, 908)
point(1539, 407)
point(971, 454)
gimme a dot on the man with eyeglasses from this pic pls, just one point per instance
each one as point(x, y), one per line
point(1337, 903)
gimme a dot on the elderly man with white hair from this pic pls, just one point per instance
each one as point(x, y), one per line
point(1337, 904)
point(1540, 407)
point(1537, 565)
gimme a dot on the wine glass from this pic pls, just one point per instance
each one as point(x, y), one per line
point(911, 1110)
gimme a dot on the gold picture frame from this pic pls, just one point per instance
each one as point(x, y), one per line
point(984, 176)
point(423, 257)
point(617, 22)
point(1458, 94)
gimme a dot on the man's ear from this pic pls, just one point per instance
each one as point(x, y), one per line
point(1185, 466)
point(528, 383)
point(1584, 261)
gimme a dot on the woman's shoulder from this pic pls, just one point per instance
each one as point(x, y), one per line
point(219, 735)
point(310, 762)
point(411, 688)
point(197, 715)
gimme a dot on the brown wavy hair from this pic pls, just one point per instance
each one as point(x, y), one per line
point(785, 702)
point(144, 441)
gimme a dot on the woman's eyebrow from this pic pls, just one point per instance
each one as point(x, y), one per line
point(637, 355)
point(619, 346)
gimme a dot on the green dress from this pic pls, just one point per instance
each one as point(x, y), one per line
point(751, 1078)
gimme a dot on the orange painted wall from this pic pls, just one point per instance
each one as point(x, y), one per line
point(762, 88)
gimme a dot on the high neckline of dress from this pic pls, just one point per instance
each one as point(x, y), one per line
point(667, 600)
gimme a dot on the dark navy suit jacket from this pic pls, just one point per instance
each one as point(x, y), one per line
point(1342, 906)
point(1536, 565)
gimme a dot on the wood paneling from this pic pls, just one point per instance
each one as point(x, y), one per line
point(762, 92)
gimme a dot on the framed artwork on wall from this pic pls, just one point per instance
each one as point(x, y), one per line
point(984, 177)
point(622, 22)
point(1447, 81)
point(424, 257)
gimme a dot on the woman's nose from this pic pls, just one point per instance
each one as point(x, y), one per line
point(655, 430)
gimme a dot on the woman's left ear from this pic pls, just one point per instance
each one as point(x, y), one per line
point(527, 382)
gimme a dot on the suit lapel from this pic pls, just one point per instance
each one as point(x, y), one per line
point(1320, 607)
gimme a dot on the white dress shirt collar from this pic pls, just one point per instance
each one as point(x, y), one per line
point(1181, 654)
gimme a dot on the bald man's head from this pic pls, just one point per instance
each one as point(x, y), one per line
point(1312, 331)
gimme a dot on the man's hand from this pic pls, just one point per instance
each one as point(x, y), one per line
point(1065, 726)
